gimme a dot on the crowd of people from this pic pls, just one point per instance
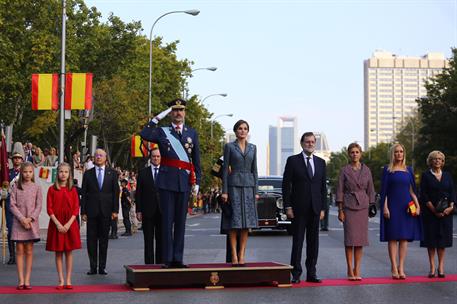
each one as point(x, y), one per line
point(158, 196)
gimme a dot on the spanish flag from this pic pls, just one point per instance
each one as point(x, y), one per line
point(135, 148)
point(78, 91)
point(45, 94)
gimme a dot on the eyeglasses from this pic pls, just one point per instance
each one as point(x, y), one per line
point(99, 155)
point(178, 110)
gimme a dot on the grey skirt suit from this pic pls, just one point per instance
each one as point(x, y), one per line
point(239, 181)
point(356, 191)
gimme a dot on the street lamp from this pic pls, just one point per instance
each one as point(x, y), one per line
point(189, 12)
point(220, 94)
point(212, 121)
point(212, 69)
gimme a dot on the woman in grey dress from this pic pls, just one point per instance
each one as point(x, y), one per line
point(354, 193)
point(239, 179)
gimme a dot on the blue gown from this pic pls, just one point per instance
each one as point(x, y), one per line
point(401, 225)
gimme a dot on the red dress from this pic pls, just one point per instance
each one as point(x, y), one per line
point(63, 203)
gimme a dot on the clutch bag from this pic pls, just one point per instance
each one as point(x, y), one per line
point(372, 210)
point(442, 205)
point(412, 210)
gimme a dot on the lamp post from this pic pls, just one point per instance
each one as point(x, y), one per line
point(212, 121)
point(184, 94)
point(189, 12)
point(220, 94)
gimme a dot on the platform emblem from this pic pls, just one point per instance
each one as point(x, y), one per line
point(214, 278)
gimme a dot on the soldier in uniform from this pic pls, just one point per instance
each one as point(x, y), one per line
point(180, 174)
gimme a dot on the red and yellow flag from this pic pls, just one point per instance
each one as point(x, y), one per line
point(135, 148)
point(45, 92)
point(78, 91)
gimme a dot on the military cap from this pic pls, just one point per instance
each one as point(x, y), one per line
point(17, 154)
point(177, 103)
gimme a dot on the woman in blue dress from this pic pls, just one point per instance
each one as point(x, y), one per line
point(398, 226)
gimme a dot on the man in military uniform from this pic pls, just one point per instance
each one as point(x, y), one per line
point(181, 173)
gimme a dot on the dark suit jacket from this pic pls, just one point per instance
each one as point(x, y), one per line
point(94, 200)
point(298, 190)
point(146, 194)
point(175, 179)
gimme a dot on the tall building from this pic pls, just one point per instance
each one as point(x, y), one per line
point(283, 142)
point(391, 86)
point(322, 148)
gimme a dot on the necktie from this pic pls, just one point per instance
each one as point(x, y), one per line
point(155, 173)
point(178, 130)
point(308, 167)
point(100, 178)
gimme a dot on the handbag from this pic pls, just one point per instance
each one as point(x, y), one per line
point(412, 210)
point(225, 207)
point(442, 205)
point(372, 210)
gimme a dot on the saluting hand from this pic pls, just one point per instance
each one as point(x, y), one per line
point(290, 213)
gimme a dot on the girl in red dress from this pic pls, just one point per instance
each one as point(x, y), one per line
point(63, 230)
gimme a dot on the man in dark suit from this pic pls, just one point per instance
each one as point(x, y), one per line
point(148, 209)
point(304, 192)
point(99, 205)
point(180, 174)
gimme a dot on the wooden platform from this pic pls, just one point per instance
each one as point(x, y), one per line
point(145, 277)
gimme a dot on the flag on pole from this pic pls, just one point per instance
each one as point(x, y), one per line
point(4, 174)
point(136, 147)
point(48, 173)
point(45, 92)
point(78, 91)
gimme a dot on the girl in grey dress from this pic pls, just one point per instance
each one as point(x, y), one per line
point(239, 178)
point(354, 193)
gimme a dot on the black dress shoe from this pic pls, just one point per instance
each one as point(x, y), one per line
point(179, 265)
point(295, 281)
point(92, 272)
point(102, 272)
point(313, 280)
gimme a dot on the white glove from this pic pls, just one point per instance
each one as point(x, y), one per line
point(160, 116)
point(195, 190)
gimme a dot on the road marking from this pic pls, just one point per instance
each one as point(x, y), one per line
point(193, 225)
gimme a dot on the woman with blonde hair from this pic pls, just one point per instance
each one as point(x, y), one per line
point(400, 210)
point(354, 193)
point(437, 185)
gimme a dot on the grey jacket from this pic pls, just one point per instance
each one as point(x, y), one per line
point(240, 169)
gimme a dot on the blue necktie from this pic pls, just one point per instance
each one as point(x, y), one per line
point(155, 173)
point(100, 178)
point(308, 167)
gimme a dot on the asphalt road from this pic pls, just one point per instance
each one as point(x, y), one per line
point(204, 244)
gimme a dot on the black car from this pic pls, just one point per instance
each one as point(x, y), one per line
point(270, 208)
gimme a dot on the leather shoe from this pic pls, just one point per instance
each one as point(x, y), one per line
point(295, 281)
point(313, 280)
point(179, 265)
point(102, 271)
point(166, 266)
point(91, 272)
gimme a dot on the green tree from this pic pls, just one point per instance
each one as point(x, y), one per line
point(438, 113)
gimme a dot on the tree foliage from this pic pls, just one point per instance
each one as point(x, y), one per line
point(116, 53)
point(438, 113)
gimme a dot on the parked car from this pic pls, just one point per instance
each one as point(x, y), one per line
point(270, 207)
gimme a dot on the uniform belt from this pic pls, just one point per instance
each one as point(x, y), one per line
point(176, 163)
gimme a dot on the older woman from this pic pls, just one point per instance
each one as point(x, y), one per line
point(398, 226)
point(354, 193)
point(436, 185)
point(239, 181)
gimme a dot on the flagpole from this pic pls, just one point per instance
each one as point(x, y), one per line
point(62, 86)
